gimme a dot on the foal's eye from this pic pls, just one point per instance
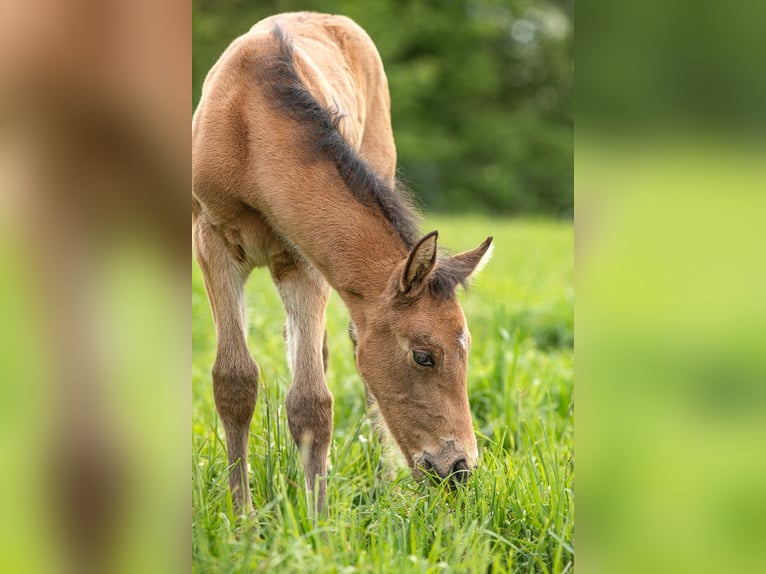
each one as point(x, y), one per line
point(423, 358)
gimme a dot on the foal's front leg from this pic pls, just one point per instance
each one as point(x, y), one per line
point(305, 294)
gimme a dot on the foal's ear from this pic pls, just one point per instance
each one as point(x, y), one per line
point(420, 263)
point(464, 266)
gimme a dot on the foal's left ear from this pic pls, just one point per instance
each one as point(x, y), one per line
point(466, 265)
point(420, 263)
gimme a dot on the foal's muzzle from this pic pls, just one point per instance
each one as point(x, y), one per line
point(457, 473)
point(448, 464)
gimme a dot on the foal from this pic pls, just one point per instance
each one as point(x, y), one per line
point(293, 164)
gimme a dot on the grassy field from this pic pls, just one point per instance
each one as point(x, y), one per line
point(516, 513)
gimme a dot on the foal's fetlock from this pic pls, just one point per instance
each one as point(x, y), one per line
point(310, 420)
point(235, 389)
point(240, 492)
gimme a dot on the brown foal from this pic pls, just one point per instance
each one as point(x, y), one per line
point(293, 163)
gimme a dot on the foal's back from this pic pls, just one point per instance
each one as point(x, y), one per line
point(249, 158)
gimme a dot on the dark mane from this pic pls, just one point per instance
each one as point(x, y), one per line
point(322, 126)
point(445, 279)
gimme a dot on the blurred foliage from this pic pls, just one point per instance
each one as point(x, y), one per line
point(481, 92)
point(654, 67)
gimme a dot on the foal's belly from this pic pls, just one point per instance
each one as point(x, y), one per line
point(249, 236)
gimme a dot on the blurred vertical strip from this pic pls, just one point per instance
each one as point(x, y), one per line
point(670, 179)
point(94, 295)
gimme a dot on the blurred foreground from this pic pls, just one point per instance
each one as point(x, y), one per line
point(94, 399)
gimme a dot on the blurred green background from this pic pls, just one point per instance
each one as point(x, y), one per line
point(482, 111)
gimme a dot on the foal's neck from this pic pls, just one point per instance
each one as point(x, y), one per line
point(357, 253)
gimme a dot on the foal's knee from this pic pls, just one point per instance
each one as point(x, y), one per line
point(309, 416)
point(235, 389)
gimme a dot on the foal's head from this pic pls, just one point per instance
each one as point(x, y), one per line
point(412, 353)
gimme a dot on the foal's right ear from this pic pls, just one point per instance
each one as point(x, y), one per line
point(420, 263)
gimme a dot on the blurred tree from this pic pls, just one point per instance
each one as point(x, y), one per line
point(481, 92)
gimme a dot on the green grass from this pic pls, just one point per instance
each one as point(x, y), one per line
point(516, 513)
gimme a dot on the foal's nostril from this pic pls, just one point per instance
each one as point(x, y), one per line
point(460, 472)
point(453, 475)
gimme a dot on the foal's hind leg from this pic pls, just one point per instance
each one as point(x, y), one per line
point(305, 294)
point(235, 374)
